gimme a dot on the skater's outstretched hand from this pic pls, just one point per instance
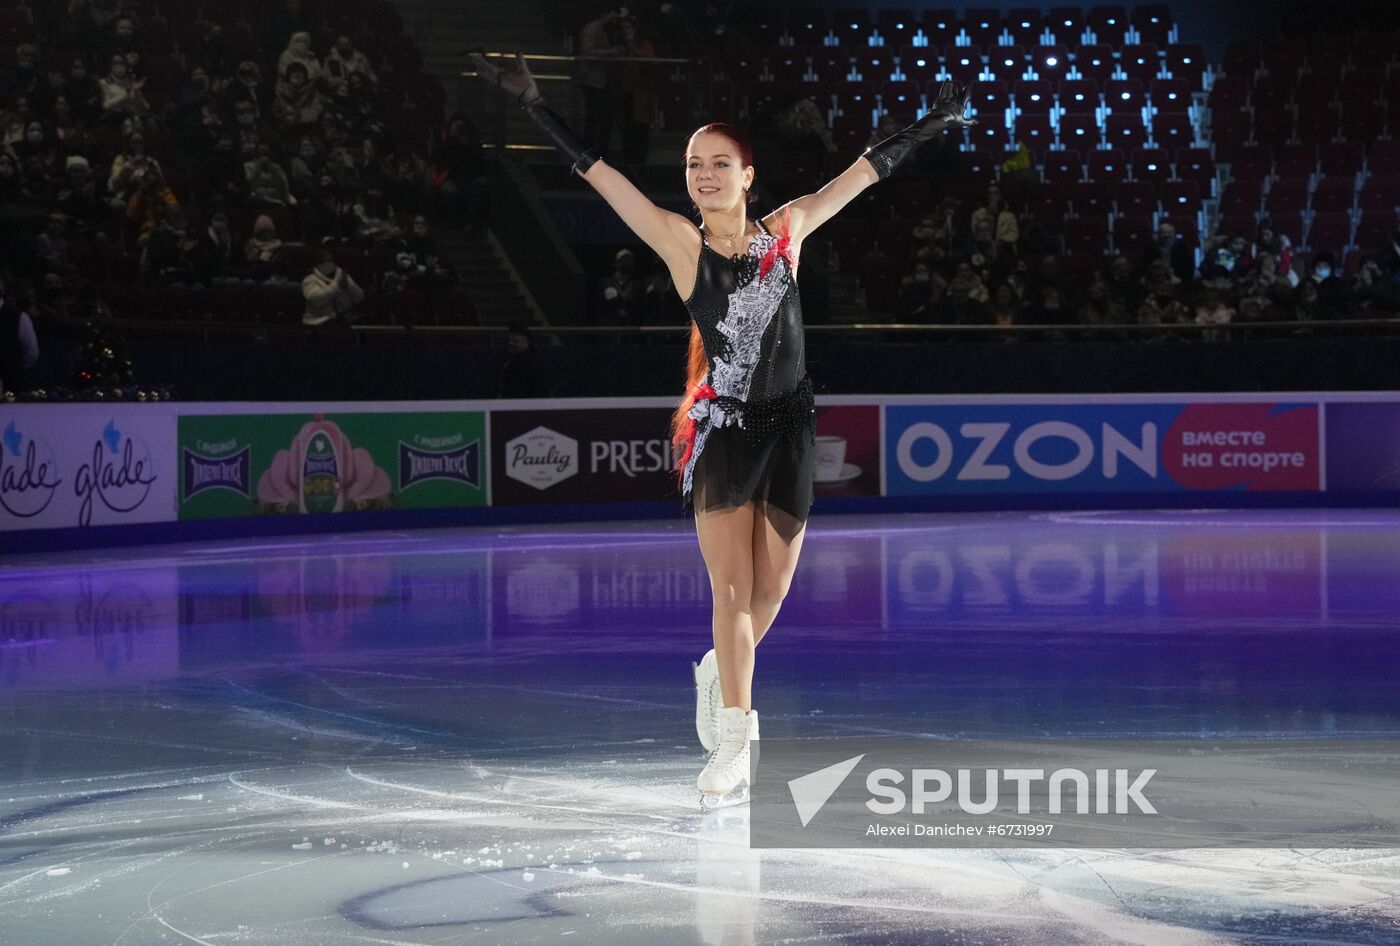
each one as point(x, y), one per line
point(951, 104)
point(517, 82)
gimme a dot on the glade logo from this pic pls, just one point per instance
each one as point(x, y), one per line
point(120, 474)
point(541, 458)
point(207, 469)
point(1114, 445)
point(460, 465)
point(28, 477)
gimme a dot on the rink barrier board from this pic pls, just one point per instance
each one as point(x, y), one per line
point(118, 466)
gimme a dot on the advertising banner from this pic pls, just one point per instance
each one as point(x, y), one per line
point(848, 451)
point(234, 465)
point(1000, 449)
point(582, 456)
point(1363, 446)
point(69, 465)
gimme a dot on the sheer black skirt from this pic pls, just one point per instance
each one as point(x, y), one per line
point(774, 471)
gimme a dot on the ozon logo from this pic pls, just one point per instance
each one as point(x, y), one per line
point(1111, 448)
point(120, 474)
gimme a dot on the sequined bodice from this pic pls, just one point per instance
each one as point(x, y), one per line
point(751, 324)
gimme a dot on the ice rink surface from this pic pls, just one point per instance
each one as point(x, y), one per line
point(486, 736)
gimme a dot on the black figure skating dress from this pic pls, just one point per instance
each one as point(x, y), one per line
point(755, 438)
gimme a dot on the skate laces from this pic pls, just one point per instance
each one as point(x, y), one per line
point(732, 743)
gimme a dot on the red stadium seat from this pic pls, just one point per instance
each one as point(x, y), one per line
point(1187, 63)
point(918, 63)
point(1125, 131)
point(875, 64)
point(1170, 95)
point(981, 166)
point(1078, 96)
point(1067, 23)
point(1033, 97)
point(1131, 234)
point(1091, 198)
point(1087, 235)
point(1229, 130)
point(1334, 194)
point(1065, 167)
point(1153, 21)
point(1025, 24)
point(1316, 88)
point(1329, 231)
point(1173, 131)
point(1195, 164)
point(1050, 62)
point(1242, 58)
point(1109, 23)
point(1136, 198)
point(1107, 165)
point(1125, 96)
point(1380, 193)
point(1241, 197)
point(1252, 162)
point(1271, 91)
point(1095, 62)
point(990, 136)
point(1036, 132)
point(1363, 121)
point(1006, 62)
point(940, 26)
point(1282, 56)
point(1228, 92)
point(992, 99)
point(831, 62)
point(1374, 228)
point(896, 25)
point(1343, 158)
point(900, 97)
point(1296, 160)
point(983, 24)
point(1317, 123)
point(1079, 131)
point(963, 62)
point(1151, 164)
point(1140, 61)
point(1287, 196)
point(1181, 197)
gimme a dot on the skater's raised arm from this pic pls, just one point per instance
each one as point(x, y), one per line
point(878, 163)
point(669, 234)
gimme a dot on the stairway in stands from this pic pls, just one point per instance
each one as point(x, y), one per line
point(486, 277)
point(446, 29)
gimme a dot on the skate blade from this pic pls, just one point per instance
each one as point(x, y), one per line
point(713, 801)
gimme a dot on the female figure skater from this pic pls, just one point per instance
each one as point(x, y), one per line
point(746, 426)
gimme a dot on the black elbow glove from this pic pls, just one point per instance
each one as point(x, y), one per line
point(947, 109)
point(565, 141)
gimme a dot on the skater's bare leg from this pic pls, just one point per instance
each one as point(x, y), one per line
point(726, 542)
point(775, 551)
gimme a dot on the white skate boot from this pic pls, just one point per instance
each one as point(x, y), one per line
point(725, 778)
point(707, 700)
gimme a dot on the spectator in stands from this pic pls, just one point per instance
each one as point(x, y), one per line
point(620, 293)
point(1160, 306)
point(216, 259)
point(600, 38)
point(249, 95)
point(802, 127)
point(984, 250)
point(70, 135)
point(299, 105)
point(330, 293)
point(263, 251)
point(1020, 167)
point(1226, 258)
point(168, 258)
point(1212, 309)
point(214, 51)
point(408, 184)
point(55, 297)
point(80, 199)
point(129, 169)
point(52, 245)
point(421, 243)
point(965, 302)
point(121, 93)
point(1100, 307)
point(14, 190)
point(19, 346)
point(222, 180)
point(1122, 286)
point(1006, 305)
point(1331, 290)
point(1051, 276)
point(920, 295)
point(1050, 308)
point(267, 182)
point(639, 102)
point(306, 168)
point(999, 218)
point(123, 41)
point(376, 217)
point(146, 207)
point(25, 77)
point(83, 91)
point(299, 50)
point(1167, 248)
point(345, 60)
point(38, 154)
point(457, 173)
point(520, 373)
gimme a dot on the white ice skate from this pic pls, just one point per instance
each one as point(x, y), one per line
point(707, 700)
point(725, 778)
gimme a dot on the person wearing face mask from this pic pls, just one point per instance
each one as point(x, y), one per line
point(123, 40)
point(1331, 290)
point(305, 168)
point(38, 157)
point(19, 346)
point(620, 293)
point(216, 258)
point(248, 94)
point(299, 105)
point(919, 295)
point(263, 250)
point(51, 244)
point(121, 92)
point(745, 427)
point(344, 60)
point(25, 77)
point(79, 198)
point(330, 293)
point(267, 182)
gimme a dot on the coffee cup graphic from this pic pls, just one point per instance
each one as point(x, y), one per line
point(831, 458)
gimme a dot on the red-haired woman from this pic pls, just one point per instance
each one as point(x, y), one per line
point(746, 426)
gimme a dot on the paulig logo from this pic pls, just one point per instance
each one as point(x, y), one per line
point(120, 474)
point(28, 474)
